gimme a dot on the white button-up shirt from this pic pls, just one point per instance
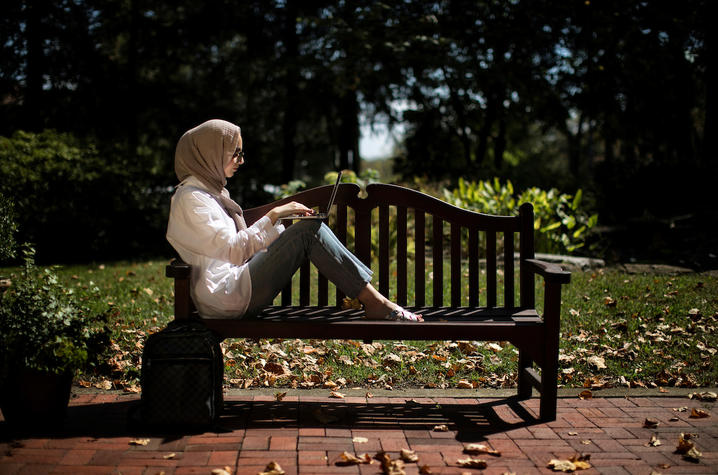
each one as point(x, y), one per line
point(206, 237)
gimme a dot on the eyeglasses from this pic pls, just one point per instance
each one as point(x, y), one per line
point(238, 154)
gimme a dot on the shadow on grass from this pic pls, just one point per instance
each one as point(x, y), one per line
point(470, 422)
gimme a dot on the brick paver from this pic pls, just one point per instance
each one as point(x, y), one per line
point(307, 435)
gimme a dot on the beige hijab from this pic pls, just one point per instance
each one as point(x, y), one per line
point(203, 152)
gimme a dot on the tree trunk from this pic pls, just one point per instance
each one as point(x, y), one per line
point(500, 145)
point(289, 125)
point(34, 115)
point(349, 132)
point(710, 127)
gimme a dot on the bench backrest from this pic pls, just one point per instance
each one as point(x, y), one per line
point(467, 239)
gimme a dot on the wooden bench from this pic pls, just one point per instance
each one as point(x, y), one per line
point(479, 249)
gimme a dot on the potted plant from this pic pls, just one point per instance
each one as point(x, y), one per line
point(45, 337)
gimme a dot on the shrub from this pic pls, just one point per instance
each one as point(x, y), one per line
point(75, 200)
point(558, 217)
point(8, 228)
point(42, 327)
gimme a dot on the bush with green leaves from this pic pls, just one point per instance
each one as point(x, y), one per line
point(44, 328)
point(77, 200)
point(8, 228)
point(561, 222)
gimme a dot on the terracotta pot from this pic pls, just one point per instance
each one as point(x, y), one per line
point(35, 397)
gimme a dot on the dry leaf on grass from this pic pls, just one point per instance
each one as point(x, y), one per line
point(472, 463)
point(441, 428)
point(699, 413)
point(272, 468)
point(408, 455)
point(139, 441)
point(345, 458)
point(596, 362)
point(481, 449)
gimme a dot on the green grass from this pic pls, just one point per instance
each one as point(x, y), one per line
point(648, 330)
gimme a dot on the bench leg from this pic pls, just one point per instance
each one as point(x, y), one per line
point(524, 380)
point(549, 369)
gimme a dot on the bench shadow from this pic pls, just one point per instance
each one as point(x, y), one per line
point(471, 422)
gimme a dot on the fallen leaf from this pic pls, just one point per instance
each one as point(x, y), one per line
point(609, 301)
point(280, 396)
point(597, 362)
point(272, 468)
point(336, 394)
point(650, 423)
point(693, 454)
point(139, 441)
point(481, 449)
point(685, 443)
point(654, 442)
point(148, 291)
point(573, 433)
point(425, 470)
point(345, 458)
point(464, 384)
point(704, 396)
point(169, 456)
point(441, 428)
point(567, 465)
point(585, 394)
point(586, 442)
point(472, 463)
point(408, 455)
point(680, 409)
point(225, 471)
point(699, 413)
point(360, 440)
point(389, 466)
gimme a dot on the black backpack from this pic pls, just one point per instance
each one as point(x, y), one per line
point(181, 378)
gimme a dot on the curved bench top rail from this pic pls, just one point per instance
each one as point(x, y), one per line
point(382, 194)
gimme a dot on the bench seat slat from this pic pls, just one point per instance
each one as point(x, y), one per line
point(330, 322)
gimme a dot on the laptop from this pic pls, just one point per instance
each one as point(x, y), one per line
point(329, 205)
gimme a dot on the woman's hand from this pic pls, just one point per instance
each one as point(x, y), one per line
point(288, 209)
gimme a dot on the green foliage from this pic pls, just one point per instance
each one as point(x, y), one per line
point(43, 327)
point(8, 228)
point(560, 220)
point(64, 186)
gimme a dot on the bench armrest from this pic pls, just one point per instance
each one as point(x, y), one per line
point(551, 273)
point(178, 269)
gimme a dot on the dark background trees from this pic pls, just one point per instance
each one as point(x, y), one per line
point(614, 96)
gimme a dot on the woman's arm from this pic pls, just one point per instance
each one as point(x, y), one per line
point(288, 209)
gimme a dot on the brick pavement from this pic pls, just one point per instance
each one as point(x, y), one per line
point(306, 434)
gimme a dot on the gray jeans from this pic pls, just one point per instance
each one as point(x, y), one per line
point(272, 270)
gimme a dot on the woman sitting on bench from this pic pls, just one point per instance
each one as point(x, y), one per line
point(238, 270)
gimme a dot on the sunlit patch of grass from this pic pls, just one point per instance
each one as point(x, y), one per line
point(648, 330)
